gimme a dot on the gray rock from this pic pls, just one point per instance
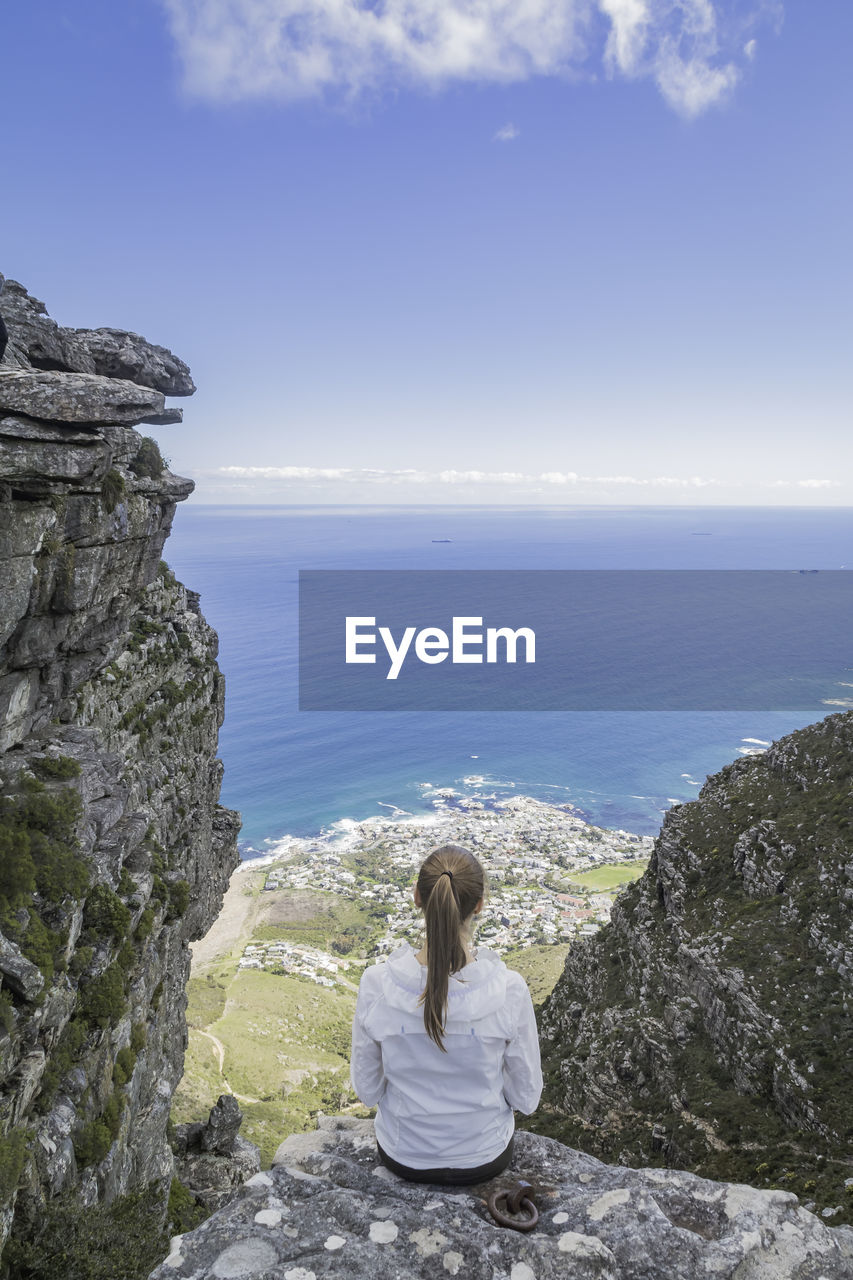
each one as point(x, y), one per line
point(218, 1134)
point(94, 639)
point(19, 973)
point(215, 1179)
point(81, 397)
point(212, 1159)
point(711, 1019)
point(38, 342)
point(117, 354)
point(327, 1207)
point(223, 1124)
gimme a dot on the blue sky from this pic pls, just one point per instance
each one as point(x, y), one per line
point(455, 250)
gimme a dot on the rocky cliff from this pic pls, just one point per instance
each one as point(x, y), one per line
point(710, 1026)
point(328, 1208)
point(114, 851)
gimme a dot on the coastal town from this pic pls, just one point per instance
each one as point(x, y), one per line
point(538, 858)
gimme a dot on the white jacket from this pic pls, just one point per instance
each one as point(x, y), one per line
point(453, 1109)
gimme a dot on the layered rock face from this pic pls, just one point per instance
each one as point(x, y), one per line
point(114, 850)
point(710, 1026)
point(328, 1208)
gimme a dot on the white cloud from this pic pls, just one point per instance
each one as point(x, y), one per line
point(452, 477)
point(290, 49)
point(629, 28)
point(692, 86)
point(804, 484)
point(506, 133)
point(749, 48)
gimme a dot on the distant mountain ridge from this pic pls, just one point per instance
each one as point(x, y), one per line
point(710, 1025)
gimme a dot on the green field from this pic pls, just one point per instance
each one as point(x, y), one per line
point(611, 875)
point(318, 919)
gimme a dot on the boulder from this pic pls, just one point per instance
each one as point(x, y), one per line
point(117, 354)
point(212, 1159)
point(19, 974)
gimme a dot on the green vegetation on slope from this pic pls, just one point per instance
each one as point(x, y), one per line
point(711, 1027)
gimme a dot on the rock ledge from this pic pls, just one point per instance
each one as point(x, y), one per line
point(327, 1207)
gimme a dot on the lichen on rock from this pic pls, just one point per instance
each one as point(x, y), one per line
point(328, 1208)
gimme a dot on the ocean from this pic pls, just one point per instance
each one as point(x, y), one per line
point(303, 773)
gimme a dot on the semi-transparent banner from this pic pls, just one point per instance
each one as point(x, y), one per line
point(575, 640)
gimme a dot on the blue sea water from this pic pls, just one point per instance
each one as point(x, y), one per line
point(297, 773)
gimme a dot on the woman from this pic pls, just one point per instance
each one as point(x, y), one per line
point(444, 1039)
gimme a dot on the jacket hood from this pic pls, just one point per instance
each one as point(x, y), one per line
point(473, 992)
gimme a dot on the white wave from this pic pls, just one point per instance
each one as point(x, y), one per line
point(759, 742)
point(261, 860)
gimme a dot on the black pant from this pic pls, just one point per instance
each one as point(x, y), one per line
point(450, 1177)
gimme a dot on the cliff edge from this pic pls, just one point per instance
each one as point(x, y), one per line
point(114, 850)
point(328, 1208)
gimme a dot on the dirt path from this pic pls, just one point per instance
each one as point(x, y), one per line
point(220, 1049)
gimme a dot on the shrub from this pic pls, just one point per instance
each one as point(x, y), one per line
point(92, 1143)
point(149, 460)
point(13, 1152)
point(167, 574)
point(57, 767)
point(7, 1011)
point(105, 914)
point(65, 1053)
point(38, 845)
point(102, 1000)
point(81, 960)
point(138, 1036)
point(179, 899)
point(145, 925)
point(112, 489)
point(17, 869)
point(41, 945)
point(123, 1067)
point(184, 1211)
point(123, 1240)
